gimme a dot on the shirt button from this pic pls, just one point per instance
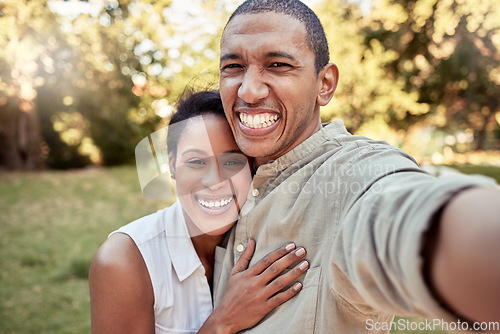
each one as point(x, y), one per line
point(255, 192)
point(240, 248)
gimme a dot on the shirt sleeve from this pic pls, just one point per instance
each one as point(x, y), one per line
point(377, 253)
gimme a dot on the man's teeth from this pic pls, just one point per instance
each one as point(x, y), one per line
point(215, 204)
point(258, 121)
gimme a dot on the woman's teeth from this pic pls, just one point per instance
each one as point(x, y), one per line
point(215, 204)
point(258, 121)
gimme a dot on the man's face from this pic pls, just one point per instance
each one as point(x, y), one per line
point(268, 84)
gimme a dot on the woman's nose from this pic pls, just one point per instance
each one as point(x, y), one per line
point(213, 177)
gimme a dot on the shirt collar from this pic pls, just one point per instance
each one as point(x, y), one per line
point(327, 132)
point(181, 249)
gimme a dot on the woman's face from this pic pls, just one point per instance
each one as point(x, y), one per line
point(212, 175)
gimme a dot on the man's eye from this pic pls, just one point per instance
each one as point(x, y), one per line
point(280, 64)
point(230, 67)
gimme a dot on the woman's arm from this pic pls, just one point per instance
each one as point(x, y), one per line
point(252, 293)
point(121, 294)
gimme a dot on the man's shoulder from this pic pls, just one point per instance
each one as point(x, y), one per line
point(335, 132)
point(355, 155)
point(359, 147)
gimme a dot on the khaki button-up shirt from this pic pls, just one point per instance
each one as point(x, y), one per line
point(361, 209)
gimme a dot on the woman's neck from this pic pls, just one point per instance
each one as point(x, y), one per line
point(204, 246)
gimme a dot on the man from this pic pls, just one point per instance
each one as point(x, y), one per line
point(382, 237)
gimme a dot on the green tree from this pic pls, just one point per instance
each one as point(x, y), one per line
point(448, 51)
point(23, 25)
point(102, 78)
point(366, 92)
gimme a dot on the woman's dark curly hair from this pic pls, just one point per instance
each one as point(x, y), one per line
point(192, 104)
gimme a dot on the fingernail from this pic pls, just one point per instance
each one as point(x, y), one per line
point(289, 247)
point(301, 251)
point(303, 265)
point(297, 286)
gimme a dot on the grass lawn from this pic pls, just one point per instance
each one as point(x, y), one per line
point(51, 224)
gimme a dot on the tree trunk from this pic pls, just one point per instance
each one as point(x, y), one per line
point(20, 137)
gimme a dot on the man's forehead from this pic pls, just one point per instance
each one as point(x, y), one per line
point(256, 23)
point(269, 33)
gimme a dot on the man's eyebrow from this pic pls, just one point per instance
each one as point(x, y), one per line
point(272, 54)
point(280, 54)
point(230, 56)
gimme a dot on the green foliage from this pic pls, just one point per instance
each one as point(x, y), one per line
point(96, 83)
point(448, 52)
point(365, 91)
point(85, 88)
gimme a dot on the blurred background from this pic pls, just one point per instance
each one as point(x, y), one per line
point(82, 82)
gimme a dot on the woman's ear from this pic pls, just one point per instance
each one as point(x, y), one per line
point(171, 164)
point(328, 78)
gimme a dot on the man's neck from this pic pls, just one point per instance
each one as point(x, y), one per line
point(259, 161)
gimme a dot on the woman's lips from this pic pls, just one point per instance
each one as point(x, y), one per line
point(214, 205)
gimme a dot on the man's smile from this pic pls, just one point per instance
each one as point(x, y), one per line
point(258, 121)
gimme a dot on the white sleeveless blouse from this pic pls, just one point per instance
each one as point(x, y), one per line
point(182, 296)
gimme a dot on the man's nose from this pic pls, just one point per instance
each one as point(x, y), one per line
point(253, 89)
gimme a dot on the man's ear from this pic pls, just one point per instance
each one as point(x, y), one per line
point(171, 164)
point(328, 79)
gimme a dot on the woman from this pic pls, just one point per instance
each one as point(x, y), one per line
point(155, 275)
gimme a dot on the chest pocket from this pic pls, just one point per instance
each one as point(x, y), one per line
point(296, 315)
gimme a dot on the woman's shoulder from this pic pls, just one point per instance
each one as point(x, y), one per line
point(119, 254)
point(151, 226)
point(117, 266)
point(122, 252)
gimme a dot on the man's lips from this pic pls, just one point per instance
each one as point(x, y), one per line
point(259, 120)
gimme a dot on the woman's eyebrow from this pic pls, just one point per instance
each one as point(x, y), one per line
point(193, 150)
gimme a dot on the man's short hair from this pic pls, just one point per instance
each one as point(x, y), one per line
point(315, 33)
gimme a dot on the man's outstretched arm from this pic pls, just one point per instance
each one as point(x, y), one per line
point(463, 255)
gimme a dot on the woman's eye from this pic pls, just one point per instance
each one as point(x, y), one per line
point(196, 162)
point(234, 162)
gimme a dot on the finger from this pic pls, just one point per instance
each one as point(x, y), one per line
point(281, 264)
point(270, 258)
point(244, 260)
point(284, 296)
point(284, 280)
